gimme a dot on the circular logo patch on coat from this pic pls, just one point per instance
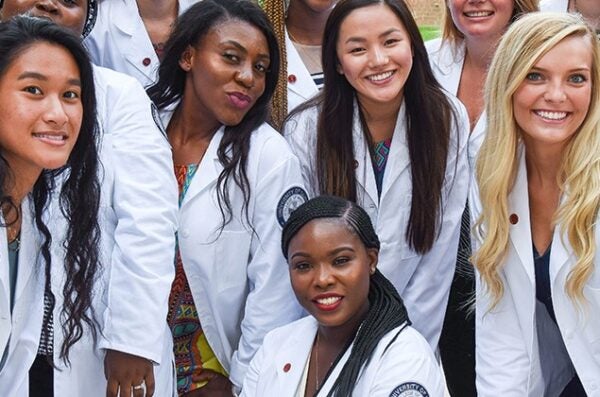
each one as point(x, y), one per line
point(409, 389)
point(289, 201)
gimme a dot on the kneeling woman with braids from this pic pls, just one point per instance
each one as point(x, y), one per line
point(357, 340)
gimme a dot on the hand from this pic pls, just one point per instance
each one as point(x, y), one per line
point(217, 386)
point(124, 371)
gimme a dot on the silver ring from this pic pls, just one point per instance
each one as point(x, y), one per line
point(138, 387)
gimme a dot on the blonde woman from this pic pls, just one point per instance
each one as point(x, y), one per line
point(538, 173)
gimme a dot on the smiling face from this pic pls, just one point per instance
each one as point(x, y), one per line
point(40, 109)
point(375, 55)
point(486, 19)
point(226, 72)
point(552, 102)
point(330, 271)
point(70, 14)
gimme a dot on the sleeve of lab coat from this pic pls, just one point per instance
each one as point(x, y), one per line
point(145, 205)
point(270, 302)
point(427, 291)
point(253, 374)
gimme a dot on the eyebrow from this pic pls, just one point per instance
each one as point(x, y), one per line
point(39, 76)
point(582, 69)
point(331, 253)
point(243, 49)
point(360, 39)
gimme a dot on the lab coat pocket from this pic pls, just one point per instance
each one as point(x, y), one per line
point(232, 255)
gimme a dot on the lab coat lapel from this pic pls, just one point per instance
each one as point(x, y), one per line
point(398, 158)
point(520, 232)
point(208, 171)
point(293, 357)
point(303, 84)
point(365, 176)
point(27, 252)
point(450, 60)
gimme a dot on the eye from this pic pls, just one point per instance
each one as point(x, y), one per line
point(301, 266)
point(71, 3)
point(577, 79)
point(341, 260)
point(534, 76)
point(71, 95)
point(390, 42)
point(233, 58)
point(357, 50)
point(33, 90)
point(261, 67)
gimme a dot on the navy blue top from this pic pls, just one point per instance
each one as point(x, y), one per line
point(542, 280)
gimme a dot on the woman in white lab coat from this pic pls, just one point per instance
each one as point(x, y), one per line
point(48, 137)
point(384, 134)
point(357, 340)
point(238, 183)
point(125, 41)
point(460, 60)
point(538, 284)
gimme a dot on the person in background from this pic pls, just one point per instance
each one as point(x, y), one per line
point(460, 60)
point(238, 183)
point(589, 10)
point(536, 205)
point(367, 138)
point(130, 35)
point(357, 340)
point(48, 138)
point(138, 218)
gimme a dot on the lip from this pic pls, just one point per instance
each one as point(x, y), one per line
point(328, 307)
point(478, 14)
point(51, 138)
point(382, 81)
point(551, 116)
point(239, 100)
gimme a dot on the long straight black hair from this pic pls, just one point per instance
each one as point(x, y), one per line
point(76, 182)
point(429, 114)
point(189, 30)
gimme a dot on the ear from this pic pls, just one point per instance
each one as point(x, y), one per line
point(187, 59)
point(373, 256)
point(339, 69)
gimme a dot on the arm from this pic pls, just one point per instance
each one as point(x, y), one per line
point(144, 201)
point(270, 301)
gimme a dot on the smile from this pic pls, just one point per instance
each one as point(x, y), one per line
point(51, 137)
point(548, 115)
point(479, 14)
point(328, 301)
point(381, 76)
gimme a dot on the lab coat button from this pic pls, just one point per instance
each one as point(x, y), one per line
point(514, 219)
point(147, 61)
point(287, 367)
point(292, 78)
point(185, 233)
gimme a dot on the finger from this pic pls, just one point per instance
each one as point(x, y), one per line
point(125, 390)
point(204, 376)
point(150, 382)
point(138, 388)
point(112, 388)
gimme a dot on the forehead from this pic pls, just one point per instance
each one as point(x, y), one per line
point(242, 32)
point(370, 20)
point(57, 60)
point(572, 52)
point(325, 231)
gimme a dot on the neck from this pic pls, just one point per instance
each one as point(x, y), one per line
point(479, 53)
point(381, 118)
point(543, 164)
point(190, 125)
point(340, 336)
point(304, 25)
point(157, 9)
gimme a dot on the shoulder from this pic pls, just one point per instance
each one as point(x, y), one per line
point(108, 81)
point(554, 5)
point(290, 331)
point(302, 124)
point(269, 144)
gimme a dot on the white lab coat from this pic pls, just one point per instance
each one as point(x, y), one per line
point(507, 352)
point(21, 330)
point(406, 360)
point(423, 281)
point(301, 86)
point(554, 5)
point(238, 276)
point(120, 41)
point(138, 217)
point(447, 64)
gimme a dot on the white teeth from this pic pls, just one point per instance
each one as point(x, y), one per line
point(51, 137)
point(328, 301)
point(476, 14)
point(551, 115)
point(380, 76)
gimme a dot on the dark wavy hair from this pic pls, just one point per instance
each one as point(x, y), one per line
point(76, 183)
point(386, 309)
point(189, 30)
point(429, 116)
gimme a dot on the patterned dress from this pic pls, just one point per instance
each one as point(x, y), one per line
point(192, 352)
point(380, 155)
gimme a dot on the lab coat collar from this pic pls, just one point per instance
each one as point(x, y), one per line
point(293, 355)
point(303, 84)
point(449, 61)
point(398, 158)
point(518, 207)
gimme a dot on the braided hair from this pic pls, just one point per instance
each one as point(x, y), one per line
point(386, 309)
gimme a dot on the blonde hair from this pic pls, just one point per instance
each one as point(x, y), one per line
point(451, 33)
point(528, 39)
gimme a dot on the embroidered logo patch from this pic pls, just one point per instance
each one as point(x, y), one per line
point(158, 121)
point(291, 199)
point(409, 389)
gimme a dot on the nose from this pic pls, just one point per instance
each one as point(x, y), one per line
point(55, 113)
point(48, 6)
point(325, 277)
point(245, 76)
point(555, 92)
point(378, 57)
